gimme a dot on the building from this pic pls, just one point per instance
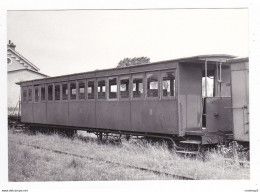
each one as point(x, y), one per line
point(18, 69)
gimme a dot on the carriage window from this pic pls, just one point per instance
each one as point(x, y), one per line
point(29, 94)
point(91, 89)
point(168, 84)
point(50, 93)
point(112, 88)
point(81, 90)
point(124, 87)
point(24, 94)
point(138, 86)
point(73, 91)
point(152, 85)
point(102, 89)
point(43, 93)
point(57, 92)
point(210, 86)
point(65, 91)
point(36, 94)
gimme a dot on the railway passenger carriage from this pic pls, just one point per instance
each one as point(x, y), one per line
point(163, 99)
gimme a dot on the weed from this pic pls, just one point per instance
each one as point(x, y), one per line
point(29, 164)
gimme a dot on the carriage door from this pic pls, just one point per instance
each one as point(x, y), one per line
point(240, 101)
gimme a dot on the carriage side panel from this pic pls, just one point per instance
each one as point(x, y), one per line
point(155, 116)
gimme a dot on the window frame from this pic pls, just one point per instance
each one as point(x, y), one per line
point(78, 89)
point(94, 89)
point(39, 95)
point(26, 89)
point(76, 98)
point(45, 98)
point(32, 95)
point(64, 83)
point(131, 86)
point(146, 84)
point(55, 84)
point(106, 87)
point(175, 84)
point(48, 92)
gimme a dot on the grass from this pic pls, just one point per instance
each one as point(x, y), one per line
point(30, 164)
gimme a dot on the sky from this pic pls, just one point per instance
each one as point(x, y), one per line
point(73, 41)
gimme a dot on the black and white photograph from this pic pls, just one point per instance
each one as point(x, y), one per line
point(116, 96)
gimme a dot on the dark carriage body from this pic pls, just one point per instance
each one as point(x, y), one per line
point(170, 103)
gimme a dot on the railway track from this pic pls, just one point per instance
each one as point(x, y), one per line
point(174, 176)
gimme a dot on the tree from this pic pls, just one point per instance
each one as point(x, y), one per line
point(133, 61)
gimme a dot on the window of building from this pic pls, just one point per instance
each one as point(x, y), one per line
point(168, 84)
point(42, 93)
point(24, 94)
point(101, 89)
point(124, 87)
point(50, 92)
point(57, 92)
point(73, 90)
point(81, 89)
point(65, 91)
point(36, 94)
point(152, 85)
point(30, 94)
point(112, 88)
point(138, 86)
point(91, 89)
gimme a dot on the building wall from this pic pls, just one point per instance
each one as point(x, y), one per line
point(13, 89)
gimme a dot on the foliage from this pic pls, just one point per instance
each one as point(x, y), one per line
point(126, 62)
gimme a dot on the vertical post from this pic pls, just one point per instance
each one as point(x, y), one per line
point(100, 137)
point(220, 78)
point(206, 75)
point(220, 73)
point(216, 81)
point(19, 106)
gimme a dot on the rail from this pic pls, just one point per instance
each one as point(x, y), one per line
point(175, 176)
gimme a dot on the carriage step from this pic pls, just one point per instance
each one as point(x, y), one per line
point(188, 152)
point(193, 142)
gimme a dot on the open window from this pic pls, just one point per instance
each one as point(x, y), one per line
point(81, 90)
point(91, 90)
point(152, 85)
point(209, 92)
point(112, 83)
point(65, 91)
point(50, 92)
point(124, 87)
point(43, 93)
point(24, 89)
point(101, 89)
point(138, 86)
point(168, 84)
point(57, 92)
point(36, 94)
point(73, 90)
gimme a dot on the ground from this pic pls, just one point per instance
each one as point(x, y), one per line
point(41, 157)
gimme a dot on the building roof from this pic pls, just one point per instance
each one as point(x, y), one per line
point(36, 72)
point(23, 58)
